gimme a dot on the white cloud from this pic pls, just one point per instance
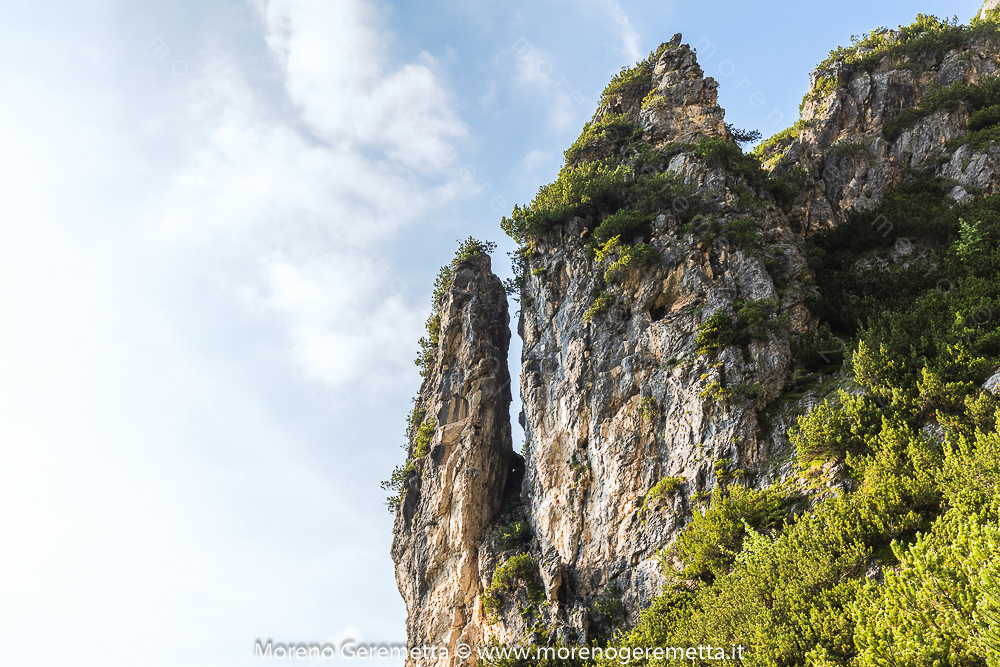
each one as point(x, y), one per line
point(336, 73)
point(627, 33)
point(536, 74)
point(173, 491)
point(529, 170)
point(337, 321)
point(379, 155)
point(630, 42)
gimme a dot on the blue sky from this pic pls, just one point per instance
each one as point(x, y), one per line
point(219, 226)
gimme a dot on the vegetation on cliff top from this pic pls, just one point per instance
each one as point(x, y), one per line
point(927, 36)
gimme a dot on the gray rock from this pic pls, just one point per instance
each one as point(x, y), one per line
point(960, 194)
point(443, 525)
point(933, 431)
point(993, 384)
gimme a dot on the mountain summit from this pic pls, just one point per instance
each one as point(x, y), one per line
point(758, 388)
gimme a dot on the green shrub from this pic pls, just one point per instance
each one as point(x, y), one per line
point(743, 137)
point(908, 317)
point(708, 546)
point(396, 484)
point(609, 604)
point(719, 151)
point(933, 610)
point(665, 487)
point(623, 223)
point(786, 592)
point(423, 440)
point(720, 393)
point(939, 606)
point(653, 99)
point(744, 231)
point(514, 533)
point(516, 569)
point(640, 74)
point(470, 248)
point(415, 418)
point(771, 149)
point(467, 249)
point(429, 345)
point(721, 330)
point(507, 579)
point(588, 183)
point(611, 130)
point(629, 255)
point(978, 140)
point(986, 117)
point(834, 430)
point(824, 87)
point(602, 303)
point(722, 152)
point(927, 35)
point(649, 408)
point(978, 98)
point(820, 348)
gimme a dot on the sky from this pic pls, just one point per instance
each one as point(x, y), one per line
point(220, 222)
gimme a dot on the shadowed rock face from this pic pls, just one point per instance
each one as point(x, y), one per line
point(459, 485)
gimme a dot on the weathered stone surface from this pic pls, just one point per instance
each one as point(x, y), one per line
point(684, 103)
point(681, 104)
point(459, 486)
point(850, 163)
point(993, 383)
point(615, 402)
point(614, 405)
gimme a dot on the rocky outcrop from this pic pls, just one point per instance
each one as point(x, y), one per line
point(464, 463)
point(615, 404)
point(848, 159)
point(682, 103)
point(631, 416)
point(618, 399)
point(677, 103)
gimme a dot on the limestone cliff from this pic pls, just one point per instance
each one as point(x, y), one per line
point(618, 401)
point(665, 319)
point(851, 153)
point(460, 444)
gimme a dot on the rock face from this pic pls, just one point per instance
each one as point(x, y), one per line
point(629, 419)
point(458, 486)
point(614, 405)
point(617, 402)
point(844, 153)
point(683, 103)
